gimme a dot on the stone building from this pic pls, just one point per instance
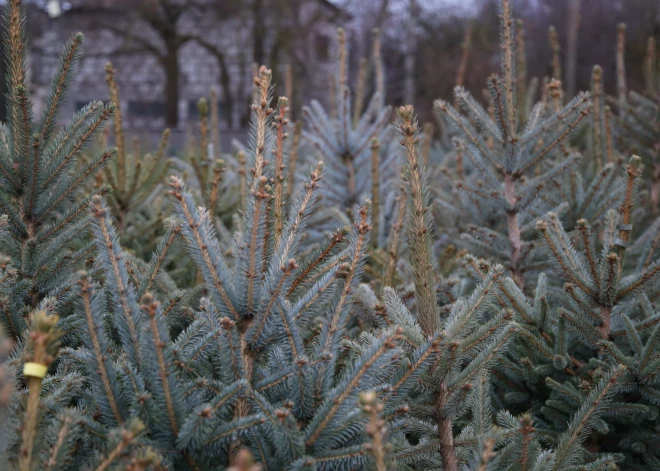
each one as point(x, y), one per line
point(113, 33)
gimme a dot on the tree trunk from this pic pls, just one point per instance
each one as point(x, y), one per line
point(445, 432)
point(171, 66)
point(409, 58)
point(572, 45)
point(258, 32)
point(225, 82)
point(514, 231)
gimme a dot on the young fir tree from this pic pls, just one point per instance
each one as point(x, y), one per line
point(445, 353)
point(41, 176)
point(638, 122)
point(109, 371)
point(136, 180)
point(250, 369)
point(519, 171)
point(213, 179)
point(571, 340)
point(566, 360)
point(438, 403)
point(354, 142)
point(505, 179)
point(291, 397)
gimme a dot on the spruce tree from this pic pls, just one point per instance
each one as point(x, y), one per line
point(449, 352)
point(249, 370)
point(353, 142)
point(269, 349)
point(40, 184)
point(512, 163)
point(638, 128)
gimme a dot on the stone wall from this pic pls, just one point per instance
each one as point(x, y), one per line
point(141, 77)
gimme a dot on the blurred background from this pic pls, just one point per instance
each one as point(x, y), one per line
point(169, 53)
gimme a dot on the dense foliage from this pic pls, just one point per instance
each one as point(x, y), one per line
point(360, 296)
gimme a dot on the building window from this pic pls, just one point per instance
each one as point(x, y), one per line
point(146, 109)
point(322, 47)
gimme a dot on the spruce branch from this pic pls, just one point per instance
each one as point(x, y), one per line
point(293, 157)
point(71, 215)
point(6, 379)
point(375, 192)
point(79, 132)
point(521, 72)
point(409, 374)
point(621, 88)
point(49, 203)
point(633, 174)
point(318, 260)
point(121, 288)
point(375, 429)
point(15, 57)
point(609, 150)
point(243, 461)
point(584, 420)
point(513, 229)
point(67, 424)
point(580, 101)
point(342, 59)
point(24, 125)
point(383, 349)
point(419, 223)
point(43, 345)
point(262, 113)
point(470, 133)
point(261, 198)
point(650, 66)
point(589, 251)
point(260, 195)
point(460, 150)
point(360, 91)
point(150, 307)
point(126, 438)
point(60, 85)
point(200, 237)
point(466, 47)
point(445, 431)
point(218, 171)
point(215, 122)
point(556, 50)
point(600, 181)
point(203, 110)
point(119, 130)
point(278, 202)
point(158, 258)
point(33, 175)
point(557, 241)
point(299, 214)
point(394, 239)
point(349, 273)
point(378, 66)
point(508, 61)
point(100, 353)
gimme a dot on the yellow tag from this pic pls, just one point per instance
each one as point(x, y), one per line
point(36, 370)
